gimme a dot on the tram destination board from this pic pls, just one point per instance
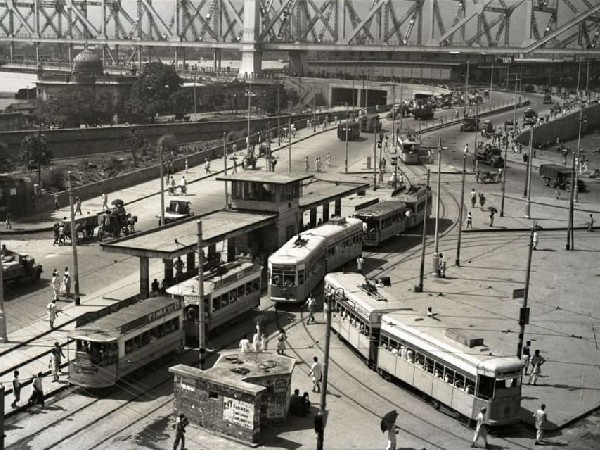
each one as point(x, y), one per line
point(151, 317)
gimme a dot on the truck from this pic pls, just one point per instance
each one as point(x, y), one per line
point(423, 113)
point(557, 176)
point(491, 156)
point(529, 117)
point(470, 123)
point(17, 267)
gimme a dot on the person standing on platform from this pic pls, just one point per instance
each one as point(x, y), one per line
point(540, 418)
point(316, 374)
point(526, 356)
point(78, 206)
point(207, 165)
point(360, 263)
point(480, 428)
point(16, 389)
point(536, 367)
point(37, 396)
point(281, 338)
point(55, 360)
point(65, 288)
point(244, 345)
point(55, 283)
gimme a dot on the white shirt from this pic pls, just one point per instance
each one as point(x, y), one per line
point(245, 345)
point(316, 370)
point(540, 419)
point(480, 421)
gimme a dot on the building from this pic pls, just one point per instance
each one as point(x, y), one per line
point(240, 394)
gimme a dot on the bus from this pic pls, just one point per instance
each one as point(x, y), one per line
point(382, 221)
point(408, 145)
point(115, 345)
point(405, 342)
point(300, 264)
point(370, 123)
point(353, 132)
point(231, 290)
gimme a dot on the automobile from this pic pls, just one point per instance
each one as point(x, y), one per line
point(470, 123)
point(488, 128)
point(529, 117)
point(489, 155)
point(547, 99)
point(509, 124)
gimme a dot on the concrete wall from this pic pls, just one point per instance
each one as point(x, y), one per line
point(565, 128)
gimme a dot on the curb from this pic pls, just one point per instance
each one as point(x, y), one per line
point(511, 230)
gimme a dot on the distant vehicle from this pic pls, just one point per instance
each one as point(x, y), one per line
point(490, 155)
point(487, 130)
point(116, 222)
point(529, 117)
point(509, 124)
point(557, 176)
point(177, 210)
point(423, 113)
point(408, 145)
point(486, 93)
point(382, 221)
point(547, 99)
point(353, 132)
point(17, 267)
point(470, 123)
point(370, 123)
point(85, 226)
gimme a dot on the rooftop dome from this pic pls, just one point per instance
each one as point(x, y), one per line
point(87, 63)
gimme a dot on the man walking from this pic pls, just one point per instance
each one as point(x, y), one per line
point(442, 266)
point(180, 425)
point(16, 389)
point(591, 224)
point(104, 202)
point(78, 206)
point(316, 374)
point(482, 200)
point(526, 357)
point(55, 361)
point(52, 312)
point(540, 418)
point(311, 304)
point(492, 214)
point(535, 240)
point(469, 220)
point(536, 367)
point(473, 198)
point(480, 428)
point(66, 284)
point(360, 262)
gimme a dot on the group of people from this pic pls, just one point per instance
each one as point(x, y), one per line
point(172, 186)
point(299, 404)
point(475, 196)
point(61, 285)
point(318, 165)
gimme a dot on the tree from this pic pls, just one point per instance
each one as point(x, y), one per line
point(75, 106)
point(138, 144)
point(155, 91)
point(34, 152)
point(268, 100)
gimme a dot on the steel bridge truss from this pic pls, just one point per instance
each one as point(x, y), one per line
point(496, 26)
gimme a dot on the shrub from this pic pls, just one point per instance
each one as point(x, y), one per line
point(55, 179)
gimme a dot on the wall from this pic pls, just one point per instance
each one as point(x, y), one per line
point(565, 128)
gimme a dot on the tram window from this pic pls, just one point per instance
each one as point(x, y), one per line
point(384, 342)
point(241, 291)
point(485, 390)
point(421, 359)
point(146, 338)
point(459, 381)
point(331, 250)
point(289, 279)
point(301, 277)
point(128, 346)
point(160, 330)
point(232, 296)
point(470, 386)
point(256, 285)
point(438, 370)
point(507, 383)
point(429, 365)
point(449, 376)
point(216, 303)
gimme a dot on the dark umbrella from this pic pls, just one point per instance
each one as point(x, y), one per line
point(493, 209)
point(388, 420)
point(117, 202)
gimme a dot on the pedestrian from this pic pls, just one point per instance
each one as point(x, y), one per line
point(306, 165)
point(8, 221)
point(540, 418)
point(311, 305)
point(56, 204)
point(317, 164)
point(244, 345)
point(16, 389)
point(391, 437)
point(65, 288)
point(186, 165)
point(37, 396)
point(469, 220)
point(557, 193)
point(207, 165)
point(104, 201)
point(526, 357)
point(316, 374)
point(473, 198)
point(78, 206)
point(180, 425)
point(442, 266)
point(55, 233)
point(263, 342)
point(178, 265)
point(52, 312)
point(56, 356)
point(535, 240)
point(360, 262)
point(183, 185)
point(256, 341)
point(492, 214)
point(480, 428)
point(155, 287)
point(55, 283)
point(61, 234)
point(328, 160)
point(482, 200)
point(591, 224)
point(235, 165)
point(281, 338)
point(536, 367)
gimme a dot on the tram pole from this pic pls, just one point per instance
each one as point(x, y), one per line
point(528, 178)
point(419, 287)
point(570, 237)
point(225, 162)
point(74, 242)
point(346, 143)
point(321, 418)
point(201, 312)
point(524, 312)
point(462, 205)
point(3, 328)
point(436, 255)
point(289, 139)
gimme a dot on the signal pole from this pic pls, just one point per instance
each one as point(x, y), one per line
point(419, 287)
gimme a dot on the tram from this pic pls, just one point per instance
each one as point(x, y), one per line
point(415, 198)
point(230, 291)
point(433, 355)
point(408, 145)
point(300, 264)
point(382, 221)
point(115, 345)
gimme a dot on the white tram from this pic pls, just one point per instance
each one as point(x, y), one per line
point(301, 263)
point(398, 340)
point(230, 291)
point(414, 198)
point(117, 344)
point(382, 221)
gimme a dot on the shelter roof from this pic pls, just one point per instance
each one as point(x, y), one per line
point(264, 177)
point(315, 194)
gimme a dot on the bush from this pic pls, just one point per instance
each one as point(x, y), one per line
point(529, 88)
point(54, 179)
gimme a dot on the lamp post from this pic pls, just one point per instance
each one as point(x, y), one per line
point(491, 81)
point(201, 307)
point(419, 287)
point(278, 118)
point(314, 121)
point(289, 137)
point(3, 331)
point(346, 143)
point(527, 192)
point(570, 235)
point(436, 255)
point(162, 181)
point(524, 312)
point(575, 187)
point(195, 102)
point(74, 242)
point(515, 106)
point(225, 163)
point(462, 203)
point(249, 94)
point(466, 89)
point(503, 181)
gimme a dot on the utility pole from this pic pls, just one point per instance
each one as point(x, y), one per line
point(278, 118)
point(225, 162)
point(375, 158)
point(575, 186)
point(570, 236)
point(503, 181)
point(466, 89)
point(289, 139)
point(462, 203)
point(323, 398)
point(314, 122)
point(3, 328)
point(528, 180)
point(201, 308)
point(524, 312)
point(436, 255)
point(419, 287)
point(491, 81)
point(74, 242)
point(346, 143)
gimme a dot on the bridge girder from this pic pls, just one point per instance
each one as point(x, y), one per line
point(469, 26)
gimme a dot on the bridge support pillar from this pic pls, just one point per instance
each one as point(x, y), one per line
point(168, 272)
point(337, 208)
point(191, 263)
point(313, 218)
point(12, 51)
point(144, 277)
point(298, 63)
point(251, 53)
point(325, 212)
point(217, 60)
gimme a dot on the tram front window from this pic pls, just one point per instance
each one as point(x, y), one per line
point(485, 388)
point(283, 276)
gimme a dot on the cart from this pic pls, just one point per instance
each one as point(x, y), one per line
point(85, 226)
point(489, 177)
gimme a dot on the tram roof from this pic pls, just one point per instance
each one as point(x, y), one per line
point(413, 194)
point(265, 177)
point(315, 194)
point(110, 327)
point(381, 208)
point(179, 238)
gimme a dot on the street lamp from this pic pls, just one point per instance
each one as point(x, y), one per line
point(249, 94)
point(3, 330)
point(503, 181)
point(419, 287)
point(466, 89)
point(74, 242)
point(462, 203)
point(582, 119)
point(346, 143)
point(527, 192)
point(436, 255)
